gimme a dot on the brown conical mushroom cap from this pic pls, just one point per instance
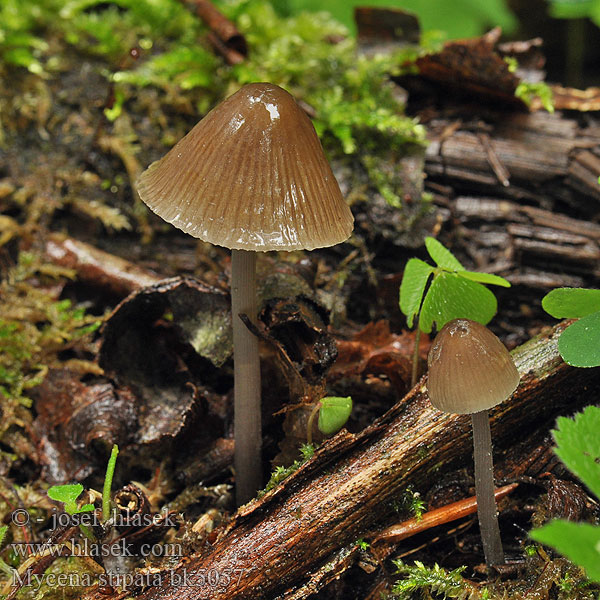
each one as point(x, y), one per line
point(251, 175)
point(470, 369)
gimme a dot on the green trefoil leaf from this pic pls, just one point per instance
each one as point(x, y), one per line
point(579, 343)
point(442, 256)
point(414, 280)
point(451, 296)
point(571, 303)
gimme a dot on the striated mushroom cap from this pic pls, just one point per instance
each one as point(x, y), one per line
point(470, 369)
point(251, 175)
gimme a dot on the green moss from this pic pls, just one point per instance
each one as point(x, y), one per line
point(527, 91)
point(410, 502)
point(357, 114)
point(21, 44)
point(34, 328)
point(65, 579)
point(281, 473)
point(433, 580)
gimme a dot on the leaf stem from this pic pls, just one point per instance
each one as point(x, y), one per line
point(311, 422)
point(415, 357)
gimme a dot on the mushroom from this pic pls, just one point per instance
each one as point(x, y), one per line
point(471, 371)
point(250, 176)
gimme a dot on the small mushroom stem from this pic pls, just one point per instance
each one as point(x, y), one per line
point(246, 369)
point(484, 489)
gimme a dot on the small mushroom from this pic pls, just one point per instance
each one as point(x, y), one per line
point(471, 371)
point(250, 176)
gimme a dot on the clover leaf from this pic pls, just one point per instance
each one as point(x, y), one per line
point(414, 281)
point(579, 343)
point(453, 293)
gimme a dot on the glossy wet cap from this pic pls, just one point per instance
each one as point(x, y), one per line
point(251, 175)
point(470, 369)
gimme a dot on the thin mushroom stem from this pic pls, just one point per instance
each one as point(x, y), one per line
point(246, 368)
point(484, 489)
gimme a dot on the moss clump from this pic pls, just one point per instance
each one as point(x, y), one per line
point(434, 580)
point(310, 54)
point(35, 327)
point(281, 473)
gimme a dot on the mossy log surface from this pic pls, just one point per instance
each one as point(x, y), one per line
point(273, 545)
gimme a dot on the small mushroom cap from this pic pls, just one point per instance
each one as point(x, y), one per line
point(251, 175)
point(470, 369)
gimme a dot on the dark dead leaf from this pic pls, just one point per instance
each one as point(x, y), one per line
point(473, 67)
point(566, 500)
point(77, 424)
point(201, 312)
point(375, 351)
point(296, 329)
point(148, 345)
point(216, 459)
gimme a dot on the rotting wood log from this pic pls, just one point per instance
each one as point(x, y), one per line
point(547, 156)
point(273, 545)
point(510, 234)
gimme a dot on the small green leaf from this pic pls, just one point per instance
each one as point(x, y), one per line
point(442, 256)
point(571, 303)
point(579, 542)
point(414, 280)
point(114, 112)
point(334, 413)
point(68, 494)
point(579, 343)
point(567, 9)
point(578, 446)
point(65, 493)
point(486, 278)
point(453, 297)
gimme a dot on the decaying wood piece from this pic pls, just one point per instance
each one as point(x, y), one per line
point(543, 153)
point(273, 545)
point(550, 249)
point(224, 35)
point(98, 268)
